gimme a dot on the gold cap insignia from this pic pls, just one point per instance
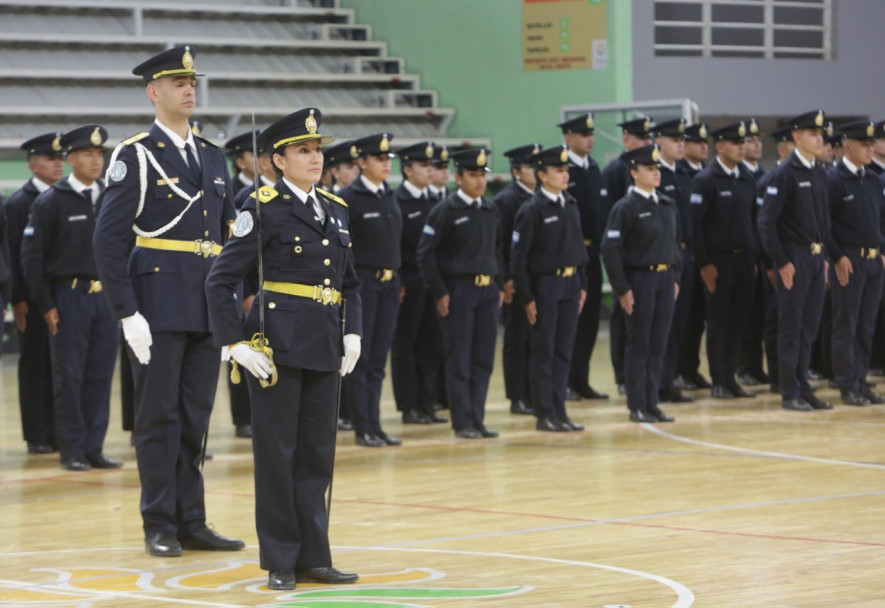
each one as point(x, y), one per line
point(428, 151)
point(196, 130)
point(754, 128)
point(384, 146)
point(742, 130)
point(56, 143)
point(702, 132)
point(444, 155)
point(95, 138)
point(536, 149)
point(563, 157)
point(310, 123)
point(187, 60)
point(481, 158)
point(829, 129)
point(682, 126)
point(354, 152)
point(646, 125)
point(589, 121)
point(819, 119)
point(655, 155)
point(870, 130)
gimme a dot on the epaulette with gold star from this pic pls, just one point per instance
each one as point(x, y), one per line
point(266, 194)
point(331, 196)
point(135, 138)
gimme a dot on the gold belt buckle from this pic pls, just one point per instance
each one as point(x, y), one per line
point(325, 296)
point(205, 248)
point(95, 286)
point(661, 268)
point(482, 280)
point(870, 253)
point(816, 248)
point(384, 275)
point(566, 272)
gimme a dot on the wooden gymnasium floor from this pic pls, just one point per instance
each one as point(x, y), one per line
point(737, 504)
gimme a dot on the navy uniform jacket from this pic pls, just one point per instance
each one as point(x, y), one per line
point(376, 224)
point(17, 208)
point(414, 213)
point(640, 233)
point(615, 183)
point(857, 210)
point(677, 185)
point(164, 286)
point(724, 212)
point(688, 168)
point(547, 236)
point(460, 240)
point(296, 248)
point(508, 201)
point(57, 243)
point(794, 208)
point(586, 186)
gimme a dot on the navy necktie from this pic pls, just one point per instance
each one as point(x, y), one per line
point(193, 165)
point(87, 194)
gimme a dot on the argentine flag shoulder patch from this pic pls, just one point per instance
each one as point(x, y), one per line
point(428, 230)
point(613, 234)
point(697, 198)
point(772, 190)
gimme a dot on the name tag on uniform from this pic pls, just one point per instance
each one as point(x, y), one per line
point(461, 220)
point(413, 215)
point(850, 197)
point(77, 218)
point(805, 184)
point(163, 182)
point(218, 180)
point(669, 188)
point(772, 190)
point(28, 231)
point(725, 193)
point(646, 214)
point(613, 234)
point(343, 231)
point(551, 219)
point(571, 184)
point(697, 199)
point(371, 215)
point(428, 230)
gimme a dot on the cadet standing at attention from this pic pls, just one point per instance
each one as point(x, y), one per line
point(239, 148)
point(515, 350)
point(180, 213)
point(643, 260)
point(548, 260)
point(438, 188)
point(376, 226)
point(34, 364)
point(459, 256)
point(794, 224)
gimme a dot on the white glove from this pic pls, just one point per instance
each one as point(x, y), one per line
point(256, 362)
point(137, 332)
point(352, 348)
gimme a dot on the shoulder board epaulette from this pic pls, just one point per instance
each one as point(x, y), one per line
point(203, 140)
point(265, 194)
point(333, 197)
point(135, 138)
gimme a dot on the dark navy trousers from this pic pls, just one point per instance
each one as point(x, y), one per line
point(35, 398)
point(515, 350)
point(680, 317)
point(588, 323)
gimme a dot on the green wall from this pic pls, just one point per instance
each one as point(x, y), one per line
point(470, 52)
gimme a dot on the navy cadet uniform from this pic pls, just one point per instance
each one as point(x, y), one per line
point(615, 185)
point(724, 210)
point(34, 364)
point(459, 255)
point(547, 262)
point(641, 253)
point(376, 225)
point(676, 183)
point(440, 161)
point(877, 362)
point(794, 224)
point(416, 353)
point(857, 214)
point(180, 214)
point(517, 344)
point(309, 282)
point(585, 185)
point(59, 267)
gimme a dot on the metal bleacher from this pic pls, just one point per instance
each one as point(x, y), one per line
point(67, 62)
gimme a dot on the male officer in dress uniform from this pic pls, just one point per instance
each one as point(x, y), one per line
point(644, 263)
point(515, 350)
point(416, 354)
point(34, 364)
point(460, 260)
point(585, 185)
point(180, 214)
point(689, 357)
point(615, 184)
point(438, 188)
point(723, 198)
point(548, 260)
point(675, 183)
point(794, 223)
point(239, 149)
point(376, 226)
point(857, 213)
point(838, 149)
point(59, 268)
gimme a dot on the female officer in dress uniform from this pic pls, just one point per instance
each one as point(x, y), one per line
point(641, 254)
point(301, 237)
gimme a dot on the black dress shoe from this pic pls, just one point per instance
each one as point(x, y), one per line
point(370, 440)
point(831, 383)
point(208, 539)
point(870, 384)
point(684, 384)
point(281, 580)
point(572, 395)
point(244, 431)
point(414, 416)
point(674, 395)
point(795, 405)
point(587, 392)
point(387, 439)
point(813, 374)
point(551, 425)
point(661, 416)
point(345, 424)
point(720, 392)
point(75, 463)
point(739, 391)
point(436, 418)
point(486, 432)
point(100, 461)
point(41, 447)
point(873, 397)
point(817, 403)
point(637, 416)
point(698, 380)
point(748, 379)
point(518, 406)
point(162, 544)
point(572, 426)
point(468, 433)
point(325, 574)
point(853, 398)
point(622, 389)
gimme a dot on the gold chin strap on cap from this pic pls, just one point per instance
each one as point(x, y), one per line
point(262, 346)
